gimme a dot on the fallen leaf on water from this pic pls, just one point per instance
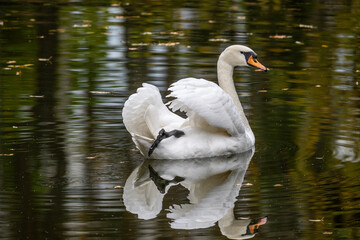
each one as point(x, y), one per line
point(327, 233)
point(81, 25)
point(285, 89)
point(139, 44)
point(262, 91)
point(6, 154)
point(278, 185)
point(318, 85)
point(92, 157)
point(316, 220)
point(36, 96)
point(169, 44)
point(218, 40)
point(45, 59)
point(246, 184)
point(324, 46)
point(299, 43)
point(241, 17)
point(11, 62)
point(307, 26)
point(276, 36)
point(100, 92)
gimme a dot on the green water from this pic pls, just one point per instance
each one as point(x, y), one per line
point(67, 67)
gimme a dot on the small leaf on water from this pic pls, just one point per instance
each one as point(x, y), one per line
point(246, 184)
point(276, 36)
point(316, 220)
point(278, 185)
point(45, 59)
point(262, 91)
point(36, 96)
point(327, 233)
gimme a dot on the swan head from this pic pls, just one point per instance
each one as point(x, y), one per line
point(239, 55)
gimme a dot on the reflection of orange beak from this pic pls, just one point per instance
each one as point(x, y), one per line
point(255, 63)
point(260, 222)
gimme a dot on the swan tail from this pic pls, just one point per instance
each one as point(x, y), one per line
point(138, 112)
point(144, 115)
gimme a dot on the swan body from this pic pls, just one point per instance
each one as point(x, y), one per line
point(215, 125)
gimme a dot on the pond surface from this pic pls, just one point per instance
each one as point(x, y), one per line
point(68, 167)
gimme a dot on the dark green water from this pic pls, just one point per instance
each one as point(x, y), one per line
point(67, 67)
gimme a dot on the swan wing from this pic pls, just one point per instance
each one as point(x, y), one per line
point(207, 105)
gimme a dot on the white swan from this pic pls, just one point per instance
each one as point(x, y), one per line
point(215, 124)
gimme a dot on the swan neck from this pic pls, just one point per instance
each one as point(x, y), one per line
point(225, 77)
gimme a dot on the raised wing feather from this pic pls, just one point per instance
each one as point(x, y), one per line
point(205, 103)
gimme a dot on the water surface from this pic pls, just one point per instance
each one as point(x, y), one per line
point(66, 160)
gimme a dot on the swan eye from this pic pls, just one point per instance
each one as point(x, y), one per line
point(241, 52)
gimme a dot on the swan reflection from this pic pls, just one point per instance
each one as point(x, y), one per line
point(213, 185)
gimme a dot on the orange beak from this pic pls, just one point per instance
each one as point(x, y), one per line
point(255, 63)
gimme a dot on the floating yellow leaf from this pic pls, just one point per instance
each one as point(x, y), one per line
point(327, 233)
point(246, 184)
point(278, 185)
point(6, 154)
point(276, 36)
point(45, 59)
point(262, 91)
point(307, 26)
point(36, 96)
point(81, 25)
point(316, 220)
point(218, 40)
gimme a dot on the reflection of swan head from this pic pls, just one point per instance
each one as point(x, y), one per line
point(240, 229)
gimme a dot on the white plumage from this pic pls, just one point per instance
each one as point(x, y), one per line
point(215, 124)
